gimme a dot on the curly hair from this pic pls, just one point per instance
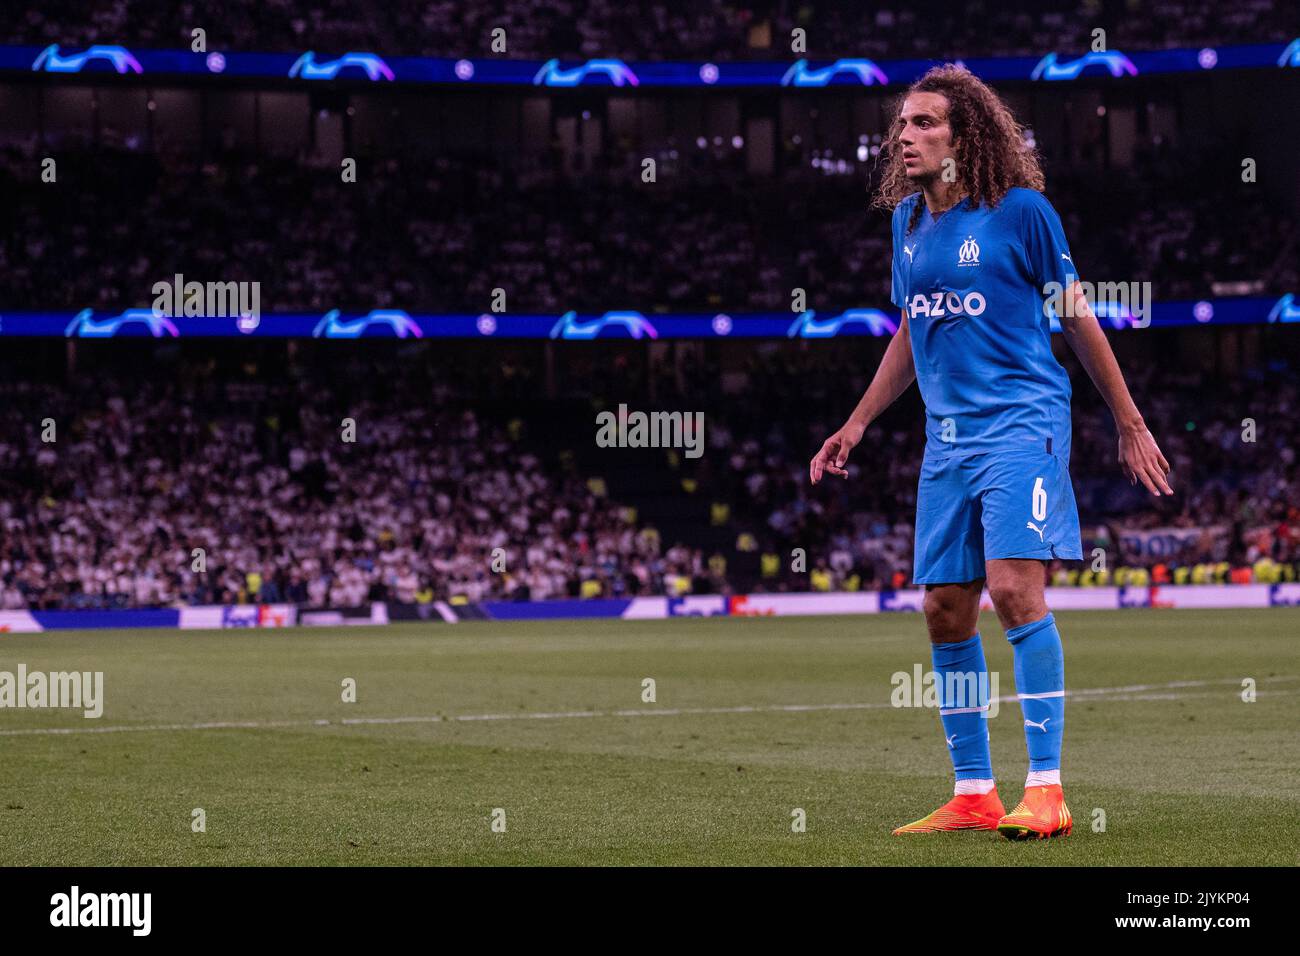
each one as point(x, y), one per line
point(991, 153)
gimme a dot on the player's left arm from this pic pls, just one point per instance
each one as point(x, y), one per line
point(1139, 454)
point(1050, 266)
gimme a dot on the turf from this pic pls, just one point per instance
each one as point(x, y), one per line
point(1185, 774)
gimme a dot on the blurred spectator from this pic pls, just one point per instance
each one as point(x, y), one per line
point(146, 469)
point(663, 29)
point(440, 236)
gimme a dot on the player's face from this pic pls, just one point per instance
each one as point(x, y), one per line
point(925, 136)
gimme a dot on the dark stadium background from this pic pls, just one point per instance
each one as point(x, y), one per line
point(464, 446)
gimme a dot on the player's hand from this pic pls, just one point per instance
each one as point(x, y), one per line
point(1140, 457)
point(834, 453)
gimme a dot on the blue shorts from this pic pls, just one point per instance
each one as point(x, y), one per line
point(977, 508)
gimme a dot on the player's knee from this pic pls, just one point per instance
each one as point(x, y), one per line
point(945, 617)
point(1015, 603)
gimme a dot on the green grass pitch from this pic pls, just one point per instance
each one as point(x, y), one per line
point(1184, 770)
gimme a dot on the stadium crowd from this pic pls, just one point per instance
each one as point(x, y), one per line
point(1239, 482)
point(663, 30)
point(194, 483)
point(190, 485)
point(441, 234)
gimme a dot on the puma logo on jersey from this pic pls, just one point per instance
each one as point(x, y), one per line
point(908, 250)
point(1042, 726)
point(1067, 258)
point(954, 737)
point(1033, 527)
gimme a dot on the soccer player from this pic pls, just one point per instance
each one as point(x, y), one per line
point(976, 246)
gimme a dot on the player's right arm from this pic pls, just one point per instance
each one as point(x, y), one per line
point(895, 374)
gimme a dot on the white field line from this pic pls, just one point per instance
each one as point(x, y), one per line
point(1133, 692)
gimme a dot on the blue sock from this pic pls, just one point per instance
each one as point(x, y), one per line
point(963, 704)
point(1040, 686)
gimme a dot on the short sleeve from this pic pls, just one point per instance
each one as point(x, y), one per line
point(1046, 251)
point(898, 283)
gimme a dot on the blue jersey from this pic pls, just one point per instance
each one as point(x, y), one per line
point(972, 282)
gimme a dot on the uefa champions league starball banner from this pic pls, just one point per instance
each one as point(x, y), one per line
point(584, 326)
point(107, 61)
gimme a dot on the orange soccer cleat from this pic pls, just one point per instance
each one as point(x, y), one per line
point(1040, 815)
point(966, 811)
